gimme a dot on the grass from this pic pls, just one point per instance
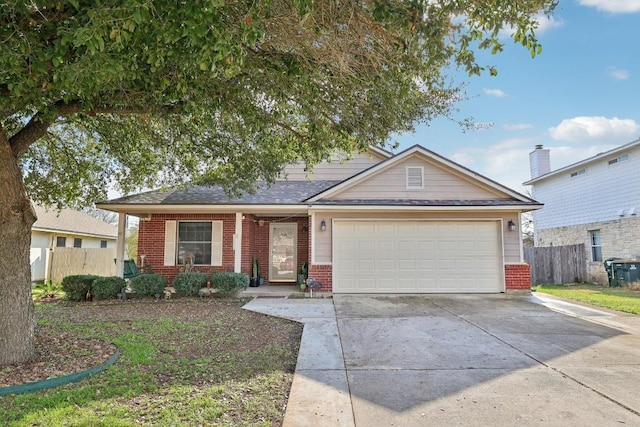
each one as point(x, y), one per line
point(182, 363)
point(620, 299)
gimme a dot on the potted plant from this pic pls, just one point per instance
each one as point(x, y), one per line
point(254, 281)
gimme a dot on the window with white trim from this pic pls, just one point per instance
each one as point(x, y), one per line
point(415, 177)
point(194, 242)
point(596, 245)
point(77, 242)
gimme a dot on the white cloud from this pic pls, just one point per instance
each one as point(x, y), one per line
point(594, 128)
point(613, 6)
point(619, 74)
point(507, 162)
point(545, 24)
point(517, 126)
point(495, 92)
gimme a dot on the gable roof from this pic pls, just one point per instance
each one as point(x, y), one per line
point(278, 193)
point(418, 149)
point(298, 196)
point(585, 162)
point(69, 221)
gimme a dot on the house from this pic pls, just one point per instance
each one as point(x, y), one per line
point(414, 222)
point(594, 201)
point(67, 228)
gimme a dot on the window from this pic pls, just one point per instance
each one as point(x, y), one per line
point(77, 242)
point(194, 243)
point(103, 244)
point(415, 177)
point(622, 158)
point(61, 242)
point(579, 172)
point(596, 245)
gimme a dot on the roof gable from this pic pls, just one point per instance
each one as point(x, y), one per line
point(443, 180)
point(72, 222)
point(633, 145)
point(341, 166)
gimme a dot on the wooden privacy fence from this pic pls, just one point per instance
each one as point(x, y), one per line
point(557, 264)
point(68, 261)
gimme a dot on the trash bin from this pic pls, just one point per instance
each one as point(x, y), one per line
point(609, 269)
point(624, 272)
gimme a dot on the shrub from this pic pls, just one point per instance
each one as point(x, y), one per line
point(107, 287)
point(47, 290)
point(77, 286)
point(229, 283)
point(188, 284)
point(146, 285)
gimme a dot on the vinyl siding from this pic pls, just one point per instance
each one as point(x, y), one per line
point(338, 169)
point(598, 195)
point(439, 184)
point(40, 243)
point(322, 242)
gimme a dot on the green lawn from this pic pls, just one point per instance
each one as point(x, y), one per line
point(621, 299)
point(182, 363)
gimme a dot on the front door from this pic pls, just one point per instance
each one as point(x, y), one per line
point(283, 244)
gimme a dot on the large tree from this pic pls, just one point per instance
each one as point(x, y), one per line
point(144, 93)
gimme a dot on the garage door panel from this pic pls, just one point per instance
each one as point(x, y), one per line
point(417, 256)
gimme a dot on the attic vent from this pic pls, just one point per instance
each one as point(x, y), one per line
point(415, 177)
point(578, 172)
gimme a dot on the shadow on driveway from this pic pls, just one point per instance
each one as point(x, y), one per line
point(416, 360)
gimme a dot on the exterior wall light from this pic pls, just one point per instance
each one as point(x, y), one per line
point(323, 225)
point(511, 225)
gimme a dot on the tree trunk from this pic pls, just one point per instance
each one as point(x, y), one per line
point(16, 218)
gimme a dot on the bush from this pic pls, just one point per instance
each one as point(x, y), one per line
point(188, 284)
point(47, 290)
point(229, 283)
point(107, 287)
point(146, 285)
point(77, 286)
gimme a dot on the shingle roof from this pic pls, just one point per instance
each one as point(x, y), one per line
point(410, 202)
point(73, 222)
point(280, 192)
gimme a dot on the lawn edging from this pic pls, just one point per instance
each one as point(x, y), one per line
point(58, 381)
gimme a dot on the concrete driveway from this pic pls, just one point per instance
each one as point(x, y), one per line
point(459, 360)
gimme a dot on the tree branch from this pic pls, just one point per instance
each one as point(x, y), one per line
point(37, 127)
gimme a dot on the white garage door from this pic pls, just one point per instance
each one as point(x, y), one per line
point(393, 256)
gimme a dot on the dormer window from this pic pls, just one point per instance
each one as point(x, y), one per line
point(415, 177)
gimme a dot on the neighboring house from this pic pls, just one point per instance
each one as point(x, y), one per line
point(67, 228)
point(594, 201)
point(376, 223)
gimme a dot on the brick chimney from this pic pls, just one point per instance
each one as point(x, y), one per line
point(539, 161)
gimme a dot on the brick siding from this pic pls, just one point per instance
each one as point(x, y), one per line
point(254, 241)
point(151, 242)
point(517, 277)
point(324, 274)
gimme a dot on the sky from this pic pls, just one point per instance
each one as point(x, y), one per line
point(580, 97)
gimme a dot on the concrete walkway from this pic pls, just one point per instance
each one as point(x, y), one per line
point(460, 360)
